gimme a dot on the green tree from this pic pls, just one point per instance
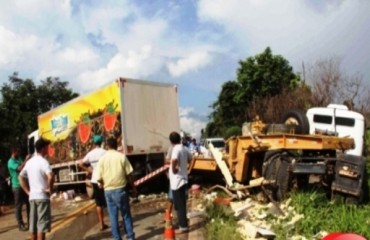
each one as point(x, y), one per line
point(21, 102)
point(259, 78)
point(264, 75)
point(227, 111)
point(47, 98)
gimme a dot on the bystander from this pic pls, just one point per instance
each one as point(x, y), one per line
point(114, 172)
point(15, 165)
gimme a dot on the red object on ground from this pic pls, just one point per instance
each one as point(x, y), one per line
point(222, 201)
point(169, 232)
point(343, 236)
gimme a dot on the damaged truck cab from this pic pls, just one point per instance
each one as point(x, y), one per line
point(324, 145)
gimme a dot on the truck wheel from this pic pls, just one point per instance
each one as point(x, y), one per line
point(269, 170)
point(276, 167)
point(296, 117)
point(283, 180)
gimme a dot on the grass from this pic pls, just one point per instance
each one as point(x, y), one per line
point(221, 222)
point(320, 214)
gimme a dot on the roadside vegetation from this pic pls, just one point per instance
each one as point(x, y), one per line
point(320, 215)
point(221, 222)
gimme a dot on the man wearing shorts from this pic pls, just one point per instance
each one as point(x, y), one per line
point(40, 184)
point(91, 160)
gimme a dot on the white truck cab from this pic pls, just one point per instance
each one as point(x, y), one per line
point(337, 120)
point(218, 143)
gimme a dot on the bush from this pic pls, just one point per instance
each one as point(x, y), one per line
point(233, 131)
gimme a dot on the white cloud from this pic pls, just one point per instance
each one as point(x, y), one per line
point(91, 43)
point(192, 62)
point(191, 124)
point(133, 64)
point(299, 30)
point(80, 55)
point(13, 46)
point(103, 16)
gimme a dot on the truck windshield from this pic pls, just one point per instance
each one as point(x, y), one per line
point(218, 144)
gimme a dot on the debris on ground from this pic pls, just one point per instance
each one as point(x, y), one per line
point(255, 218)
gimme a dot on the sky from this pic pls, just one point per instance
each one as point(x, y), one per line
point(195, 44)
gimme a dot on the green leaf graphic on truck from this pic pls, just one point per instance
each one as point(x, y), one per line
point(110, 116)
point(84, 128)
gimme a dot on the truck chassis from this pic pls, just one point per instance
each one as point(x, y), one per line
point(289, 160)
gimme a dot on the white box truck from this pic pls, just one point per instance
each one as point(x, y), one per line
point(140, 114)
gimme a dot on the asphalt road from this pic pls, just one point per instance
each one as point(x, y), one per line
point(148, 217)
point(76, 220)
point(62, 212)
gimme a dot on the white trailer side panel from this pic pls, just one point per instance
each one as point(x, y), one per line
point(150, 114)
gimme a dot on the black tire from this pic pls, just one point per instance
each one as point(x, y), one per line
point(276, 167)
point(269, 171)
point(283, 180)
point(296, 117)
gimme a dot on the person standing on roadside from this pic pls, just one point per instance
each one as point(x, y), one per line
point(194, 147)
point(178, 174)
point(91, 161)
point(114, 172)
point(39, 188)
point(169, 204)
point(3, 187)
point(15, 165)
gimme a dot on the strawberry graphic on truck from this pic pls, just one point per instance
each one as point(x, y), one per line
point(84, 128)
point(110, 117)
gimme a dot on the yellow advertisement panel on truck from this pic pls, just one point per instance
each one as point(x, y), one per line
point(140, 114)
point(57, 124)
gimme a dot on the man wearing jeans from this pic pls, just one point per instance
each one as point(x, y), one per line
point(178, 174)
point(15, 165)
point(114, 172)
